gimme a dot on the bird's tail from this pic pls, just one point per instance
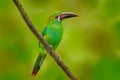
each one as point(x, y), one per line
point(38, 63)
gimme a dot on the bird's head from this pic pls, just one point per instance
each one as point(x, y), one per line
point(59, 16)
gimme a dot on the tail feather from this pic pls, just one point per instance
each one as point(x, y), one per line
point(38, 64)
point(34, 73)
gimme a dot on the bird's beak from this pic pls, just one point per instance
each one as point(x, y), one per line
point(65, 15)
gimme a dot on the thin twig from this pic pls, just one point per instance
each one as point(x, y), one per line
point(38, 35)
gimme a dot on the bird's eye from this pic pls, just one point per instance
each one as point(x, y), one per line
point(56, 17)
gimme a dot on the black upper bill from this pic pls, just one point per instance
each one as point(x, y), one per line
point(65, 15)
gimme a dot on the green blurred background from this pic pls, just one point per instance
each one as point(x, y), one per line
point(90, 45)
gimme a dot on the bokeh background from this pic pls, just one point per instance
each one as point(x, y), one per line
point(90, 45)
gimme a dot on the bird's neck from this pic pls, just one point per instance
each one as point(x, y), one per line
point(54, 22)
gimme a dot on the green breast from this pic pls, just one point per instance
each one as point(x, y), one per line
point(54, 34)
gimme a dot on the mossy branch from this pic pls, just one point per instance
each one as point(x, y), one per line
point(48, 48)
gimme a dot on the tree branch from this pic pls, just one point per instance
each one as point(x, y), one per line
point(38, 35)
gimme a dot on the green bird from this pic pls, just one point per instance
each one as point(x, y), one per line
point(52, 34)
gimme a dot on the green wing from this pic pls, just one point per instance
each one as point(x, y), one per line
point(43, 34)
point(44, 31)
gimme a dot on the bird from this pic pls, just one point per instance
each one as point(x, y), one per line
point(52, 33)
